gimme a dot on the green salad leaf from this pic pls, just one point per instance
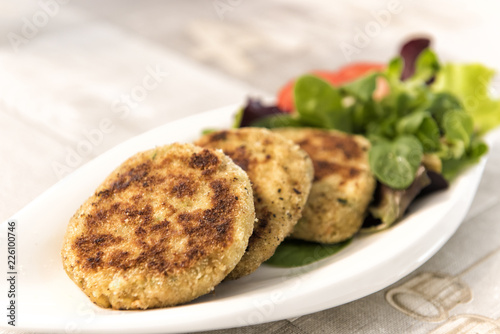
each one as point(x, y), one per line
point(458, 126)
point(426, 67)
point(319, 104)
point(453, 166)
point(394, 70)
point(395, 163)
point(295, 253)
point(439, 109)
point(470, 83)
point(238, 118)
point(393, 203)
point(423, 126)
point(362, 88)
point(442, 103)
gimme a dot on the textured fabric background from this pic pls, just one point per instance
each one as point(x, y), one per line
point(68, 77)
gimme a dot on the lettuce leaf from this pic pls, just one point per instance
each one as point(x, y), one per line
point(319, 104)
point(470, 84)
point(409, 54)
point(295, 253)
point(254, 111)
point(395, 163)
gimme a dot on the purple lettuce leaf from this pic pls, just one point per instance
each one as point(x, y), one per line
point(410, 52)
point(255, 110)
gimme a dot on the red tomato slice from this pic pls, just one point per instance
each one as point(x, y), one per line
point(336, 78)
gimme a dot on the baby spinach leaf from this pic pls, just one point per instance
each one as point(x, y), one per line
point(412, 122)
point(405, 100)
point(441, 103)
point(395, 163)
point(295, 253)
point(423, 126)
point(319, 104)
point(428, 134)
point(365, 113)
point(383, 129)
point(362, 88)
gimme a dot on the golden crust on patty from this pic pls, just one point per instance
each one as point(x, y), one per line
point(163, 229)
point(281, 175)
point(343, 184)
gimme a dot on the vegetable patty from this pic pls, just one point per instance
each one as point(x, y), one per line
point(343, 184)
point(281, 175)
point(163, 229)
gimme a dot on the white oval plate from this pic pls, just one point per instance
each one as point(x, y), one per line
point(48, 301)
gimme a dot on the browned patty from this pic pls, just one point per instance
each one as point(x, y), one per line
point(281, 175)
point(164, 228)
point(343, 184)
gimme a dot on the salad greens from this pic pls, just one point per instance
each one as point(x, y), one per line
point(296, 253)
point(470, 84)
point(396, 162)
point(392, 204)
point(319, 104)
point(423, 118)
point(437, 109)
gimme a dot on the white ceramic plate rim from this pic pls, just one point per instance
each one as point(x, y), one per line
point(369, 264)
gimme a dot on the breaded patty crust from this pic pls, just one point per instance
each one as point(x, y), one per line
point(343, 184)
point(163, 229)
point(281, 175)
